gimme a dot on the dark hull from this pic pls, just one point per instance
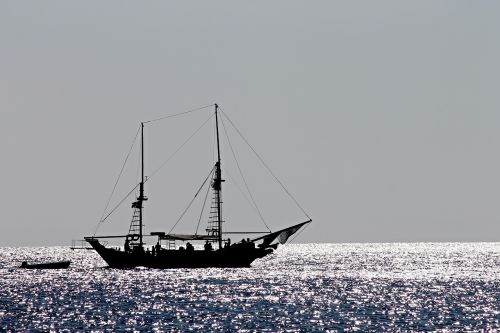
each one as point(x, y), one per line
point(234, 256)
point(49, 265)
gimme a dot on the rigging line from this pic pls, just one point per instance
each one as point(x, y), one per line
point(97, 228)
point(148, 178)
point(119, 175)
point(203, 208)
point(180, 147)
point(192, 200)
point(266, 166)
point(119, 204)
point(178, 114)
point(241, 191)
point(243, 177)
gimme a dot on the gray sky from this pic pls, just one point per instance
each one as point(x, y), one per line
point(381, 117)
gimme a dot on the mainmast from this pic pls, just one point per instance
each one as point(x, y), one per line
point(218, 181)
point(141, 197)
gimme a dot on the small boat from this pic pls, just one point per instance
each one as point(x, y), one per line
point(47, 265)
point(165, 253)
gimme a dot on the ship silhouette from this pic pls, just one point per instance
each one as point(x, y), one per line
point(217, 249)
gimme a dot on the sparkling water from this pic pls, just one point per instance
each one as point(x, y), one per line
point(444, 287)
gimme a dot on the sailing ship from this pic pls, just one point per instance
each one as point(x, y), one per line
point(218, 251)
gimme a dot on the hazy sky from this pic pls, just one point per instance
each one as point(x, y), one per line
point(381, 117)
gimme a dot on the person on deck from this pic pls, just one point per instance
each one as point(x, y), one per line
point(127, 245)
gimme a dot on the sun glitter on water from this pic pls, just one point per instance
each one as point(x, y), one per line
point(302, 287)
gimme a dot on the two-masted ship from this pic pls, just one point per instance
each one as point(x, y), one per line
point(216, 249)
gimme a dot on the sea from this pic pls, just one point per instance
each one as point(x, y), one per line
point(396, 287)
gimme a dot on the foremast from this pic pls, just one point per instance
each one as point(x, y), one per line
point(141, 198)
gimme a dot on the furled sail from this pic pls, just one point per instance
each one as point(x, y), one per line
point(282, 235)
point(183, 237)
